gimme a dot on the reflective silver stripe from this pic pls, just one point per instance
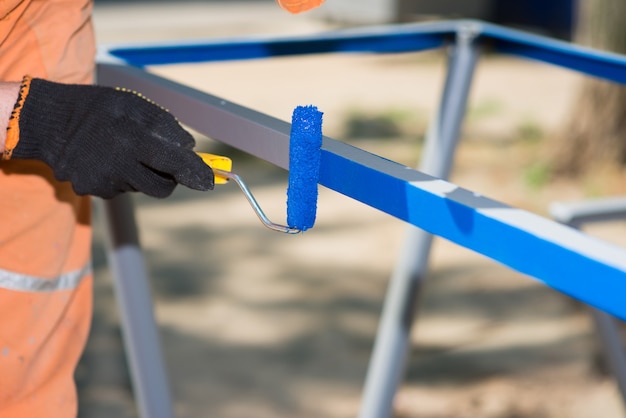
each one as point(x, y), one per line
point(22, 282)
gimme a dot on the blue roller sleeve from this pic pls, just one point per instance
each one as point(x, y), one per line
point(305, 150)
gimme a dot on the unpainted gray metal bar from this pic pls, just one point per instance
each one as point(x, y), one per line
point(387, 364)
point(240, 127)
point(576, 215)
point(139, 330)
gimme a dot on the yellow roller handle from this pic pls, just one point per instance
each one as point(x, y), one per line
point(219, 162)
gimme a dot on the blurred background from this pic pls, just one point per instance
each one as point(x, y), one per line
point(259, 324)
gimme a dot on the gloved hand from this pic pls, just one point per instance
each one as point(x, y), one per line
point(104, 141)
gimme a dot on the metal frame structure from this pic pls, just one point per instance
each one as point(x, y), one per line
point(423, 199)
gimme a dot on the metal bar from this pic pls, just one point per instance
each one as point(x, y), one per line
point(387, 364)
point(575, 214)
point(606, 65)
point(139, 329)
point(380, 39)
point(237, 126)
point(561, 257)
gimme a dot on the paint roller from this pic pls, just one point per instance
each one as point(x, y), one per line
point(305, 149)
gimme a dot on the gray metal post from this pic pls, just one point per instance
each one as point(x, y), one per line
point(392, 343)
point(139, 329)
point(612, 345)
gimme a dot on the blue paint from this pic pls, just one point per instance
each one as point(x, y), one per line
point(254, 49)
point(382, 190)
point(304, 167)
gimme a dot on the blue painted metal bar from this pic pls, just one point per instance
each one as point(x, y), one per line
point(384, 39)
point(600, 64)
point(567, 260)
point(578, 265)
point(392, 39)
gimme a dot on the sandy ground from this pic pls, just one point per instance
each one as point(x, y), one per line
point(259, 324)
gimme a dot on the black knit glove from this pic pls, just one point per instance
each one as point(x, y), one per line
point(104, 141)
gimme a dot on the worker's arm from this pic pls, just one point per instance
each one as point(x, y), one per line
point(8, 97)
point(104, 141)
point(299, 6)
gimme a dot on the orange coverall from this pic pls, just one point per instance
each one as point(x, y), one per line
point(45, 235)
